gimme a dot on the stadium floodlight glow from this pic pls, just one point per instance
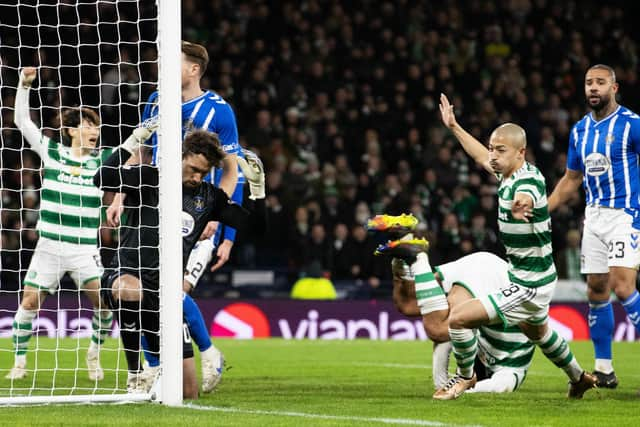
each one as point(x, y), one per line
point(108, 56)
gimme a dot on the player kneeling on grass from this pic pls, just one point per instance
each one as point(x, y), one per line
point(504, 353)
point(68, 224)
point(131, 283)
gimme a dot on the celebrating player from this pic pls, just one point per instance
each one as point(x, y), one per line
point(603, 156)
point(68, 224)
point(131, 285)
point(525, 231)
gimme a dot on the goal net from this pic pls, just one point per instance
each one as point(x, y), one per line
point(96, 62)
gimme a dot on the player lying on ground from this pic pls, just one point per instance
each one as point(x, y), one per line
point(68, 224)
point(130, 284)
point(525, 232)
point(504, 353)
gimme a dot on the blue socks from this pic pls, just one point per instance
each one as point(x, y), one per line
point(197, 328)
point(601, 328)
point(195, 322)
point(632, 307)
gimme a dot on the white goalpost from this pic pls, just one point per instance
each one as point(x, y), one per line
point(107, 56)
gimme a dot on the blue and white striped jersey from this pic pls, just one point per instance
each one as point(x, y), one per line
point(211, 112)
point(208, 111)
point(606, 152)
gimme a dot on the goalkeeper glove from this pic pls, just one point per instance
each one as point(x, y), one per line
point(141, 134)
point(253, 170)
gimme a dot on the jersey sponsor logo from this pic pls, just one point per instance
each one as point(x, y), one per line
point(187, 223)
point(71, 179)
point(198, 203)
point(240, 320)
point(597, 164)
point(231, 147)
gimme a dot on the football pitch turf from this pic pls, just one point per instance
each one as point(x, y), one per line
point(275, 382)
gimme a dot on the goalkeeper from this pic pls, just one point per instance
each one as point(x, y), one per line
point(131, 285)
point(68, 224)
point(201, 109)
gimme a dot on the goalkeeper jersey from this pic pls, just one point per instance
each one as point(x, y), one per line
point(69, 202)
point(140, 234)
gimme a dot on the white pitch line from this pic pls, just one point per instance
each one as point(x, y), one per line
point(403, 421)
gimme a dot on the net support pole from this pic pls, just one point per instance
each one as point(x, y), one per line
point(170, 200)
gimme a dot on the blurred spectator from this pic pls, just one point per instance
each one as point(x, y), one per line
point(569, 257)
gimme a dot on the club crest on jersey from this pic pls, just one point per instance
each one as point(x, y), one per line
point(198, 203)
point(596, 164)
point(187, 224)
point(609, 138)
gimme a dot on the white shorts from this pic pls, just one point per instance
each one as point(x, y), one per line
point(199, 258)
point(52, 259)
point(608, 240)
point(514, 304)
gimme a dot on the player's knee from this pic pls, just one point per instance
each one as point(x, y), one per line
point(622, 283)
point(598, 285)
point(125, 291)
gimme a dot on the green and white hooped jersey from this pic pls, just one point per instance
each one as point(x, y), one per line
point(528, 244)
point(483, 273)
point(504, 347)
point(69, 202)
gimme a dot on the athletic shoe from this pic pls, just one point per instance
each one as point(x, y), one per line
point(455, 387)
point(137, 383)
point(394, 226)
point(406, 250)
point(93, 366)
point(18, 372)
point(150, 375)
point(586, 382)
point(606, 380)
point(212, 366)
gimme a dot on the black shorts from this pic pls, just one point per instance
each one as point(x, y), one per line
point(151, 294)
point(187, 345)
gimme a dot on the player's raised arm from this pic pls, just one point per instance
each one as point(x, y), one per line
point(113, 177)
point(21, 117)
point(472, 146)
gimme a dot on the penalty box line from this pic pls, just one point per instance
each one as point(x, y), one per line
point(402, 421)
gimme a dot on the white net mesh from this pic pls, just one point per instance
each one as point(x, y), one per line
point(100, 55)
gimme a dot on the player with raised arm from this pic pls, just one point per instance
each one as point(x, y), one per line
point(68, 223)
point(603, 157)
point(131, 285)
point(525, 231)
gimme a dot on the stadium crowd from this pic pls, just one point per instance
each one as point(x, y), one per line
point(340, 100)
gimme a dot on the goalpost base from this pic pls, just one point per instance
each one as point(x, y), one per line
point(81, 398)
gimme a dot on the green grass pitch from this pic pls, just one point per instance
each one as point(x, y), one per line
point(276, 382)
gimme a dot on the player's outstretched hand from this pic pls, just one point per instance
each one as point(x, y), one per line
point(27, 76)
point(144, 131)
point(253, 170)
point(141, 134)
point(446, 112)
point(521, 210)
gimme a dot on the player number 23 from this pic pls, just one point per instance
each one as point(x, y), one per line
point(616, 250)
